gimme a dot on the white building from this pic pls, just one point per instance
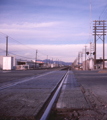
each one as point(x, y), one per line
point(7, 62)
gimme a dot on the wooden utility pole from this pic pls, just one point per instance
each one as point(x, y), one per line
point(82, 58)
point(85, 56)
point(36, 58)
point(99, 32)
point(6, 45)
point(47, 59)
point(78, 58)
point(52, 60)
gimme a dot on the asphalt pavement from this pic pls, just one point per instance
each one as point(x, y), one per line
point(94, 86)
point(24, 99)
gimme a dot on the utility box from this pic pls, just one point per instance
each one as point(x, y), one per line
point(52, 66)
point(7, 63)
point(91, 64)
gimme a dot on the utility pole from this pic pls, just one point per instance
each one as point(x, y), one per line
point(85, 56)
point(36, 58)
point(6, 45)
point(58, 62)
point(82, 58)
point(52, 60)
point(47, 59)
point(99, 33)
point(78, 58)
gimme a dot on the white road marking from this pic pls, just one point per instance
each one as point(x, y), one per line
point(22, 81)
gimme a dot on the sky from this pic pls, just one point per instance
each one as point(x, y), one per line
point(57, 28)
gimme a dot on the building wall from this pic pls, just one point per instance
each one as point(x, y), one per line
point(1, 62)
point(30, 64)
point(100, 66)
point(105, 64)
point(7, 63)
point(87, 65)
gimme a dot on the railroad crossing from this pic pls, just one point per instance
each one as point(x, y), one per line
point(52, 95)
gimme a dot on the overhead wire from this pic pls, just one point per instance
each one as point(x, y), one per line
point(17, 41)
point(21, 56)
point(105, 15)
point(3, 34)
point(27, 46)
point(16, 54)
point(103, 11)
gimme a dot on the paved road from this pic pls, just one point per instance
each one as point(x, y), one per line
point(6, 77)
point(94, 86)
point(88, 87)
point(94, 81)
point(25, 99)
point(83, 97)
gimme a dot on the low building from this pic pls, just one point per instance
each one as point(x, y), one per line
point(24, 64)
point(106, 64)
point(7, 62)
point(90, 64)
point(99, 63)
point(27, 64)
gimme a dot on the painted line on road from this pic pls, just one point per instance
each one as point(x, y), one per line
point(26, 79)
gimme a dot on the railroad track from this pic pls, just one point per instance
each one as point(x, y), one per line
point(27, 92)
point(43, 114)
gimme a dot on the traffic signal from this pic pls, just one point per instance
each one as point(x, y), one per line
point(93, 53)
point(87, 53)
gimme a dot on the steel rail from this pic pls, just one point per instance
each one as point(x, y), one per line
point(48, 109)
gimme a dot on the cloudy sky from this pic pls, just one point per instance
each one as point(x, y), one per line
point(57, 28)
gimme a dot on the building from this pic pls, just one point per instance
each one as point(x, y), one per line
point(24, 64)
point(7, 62)
point(90, 64)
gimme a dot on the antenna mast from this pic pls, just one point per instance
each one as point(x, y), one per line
point(90, 34)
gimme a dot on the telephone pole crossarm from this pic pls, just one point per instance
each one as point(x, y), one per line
point(99, 32)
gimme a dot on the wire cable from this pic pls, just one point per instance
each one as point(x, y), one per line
point(16, 54)
point(103, 11)
point(23, 44)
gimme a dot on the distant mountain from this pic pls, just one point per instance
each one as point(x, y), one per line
point(57, 62)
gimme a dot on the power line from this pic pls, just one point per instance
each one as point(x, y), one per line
point(103, 11)
point(105, 15)
point(16, 40)
point(17, 54)
point(23, 44)
point(3, 34)
point(42, 53)
point(21, 56)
